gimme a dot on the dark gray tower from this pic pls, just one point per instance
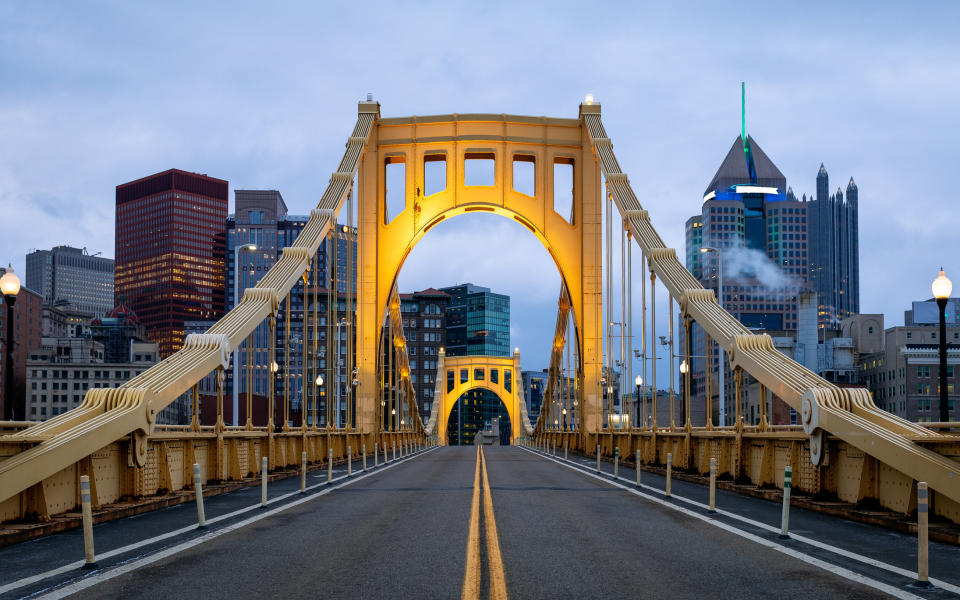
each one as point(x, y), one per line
point(850, 301)
point(834, 252)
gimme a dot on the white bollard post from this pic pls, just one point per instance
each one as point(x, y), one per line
point(376, 456)
point(363, 449)
point(263, 482)
point(394, 450)
point(669, 471)
point(303, 472)
point(554, 447)
point(639, 470)
point(785, 515)
point(713, 485)
point(566, 449)
point(330, 465)
point(598, 458)
point(923, 515)
point(198, 491)
point(616, 461)
point(349, 460)
point(88, 554)
point(386, 459)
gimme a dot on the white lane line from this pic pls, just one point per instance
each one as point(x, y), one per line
point(73, 566)
point(803, 539)
point(836, 570)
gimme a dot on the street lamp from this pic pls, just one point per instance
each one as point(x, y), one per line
point(236, 293)
point(316, 401)
point(941, 291)
point(9, 287)
point(638, 381)
point(722, 369)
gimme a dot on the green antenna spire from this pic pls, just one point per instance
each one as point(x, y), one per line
point(743, 111)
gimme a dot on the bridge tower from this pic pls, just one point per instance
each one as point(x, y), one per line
point(385, 240)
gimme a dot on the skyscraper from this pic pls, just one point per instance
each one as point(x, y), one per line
point(758, 230)
point(423, 316)
point(477, 322)
point(170, 252)
point(71, 274)
point(260, 218)
point(761, 231)
point(834, 251)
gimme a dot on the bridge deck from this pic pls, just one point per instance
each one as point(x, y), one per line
point(402, 532)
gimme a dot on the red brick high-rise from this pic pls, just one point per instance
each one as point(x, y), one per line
point(170, 252)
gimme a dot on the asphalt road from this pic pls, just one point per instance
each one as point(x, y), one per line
point(402, 532)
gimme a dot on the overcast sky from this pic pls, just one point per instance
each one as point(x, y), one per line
point(95, 94)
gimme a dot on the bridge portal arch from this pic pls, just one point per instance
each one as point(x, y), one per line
point(500, 141)
point(458, 375)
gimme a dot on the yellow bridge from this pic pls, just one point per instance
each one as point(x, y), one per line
point(846, 446)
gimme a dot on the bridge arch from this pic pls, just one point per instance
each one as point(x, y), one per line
point(385, 240)
point(457, 375)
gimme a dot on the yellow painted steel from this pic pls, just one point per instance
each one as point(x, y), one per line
point(849, 414)
point(114, 429)
point(106, 415)
point(493, 371)
point(385, 239)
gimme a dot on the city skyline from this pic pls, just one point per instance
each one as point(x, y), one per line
point(124, 127)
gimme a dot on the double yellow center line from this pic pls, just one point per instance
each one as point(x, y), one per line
point(472, 574)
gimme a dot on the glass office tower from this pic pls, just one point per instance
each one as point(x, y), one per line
point(477, 322)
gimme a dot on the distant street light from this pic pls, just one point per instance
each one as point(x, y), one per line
point(236, 300)
point(639, 382)
point(723, 366)
point(9, 287)
point(941, 291)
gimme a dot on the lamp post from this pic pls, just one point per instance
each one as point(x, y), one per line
point(638, 381)
point(723, 365)
point(686, 398)
point(941, 291)
point(336, 375)
point(9, 287)
point(316, 400)
point(236, 300)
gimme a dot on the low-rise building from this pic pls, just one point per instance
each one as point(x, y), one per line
point(904, 375)
point(60, 372)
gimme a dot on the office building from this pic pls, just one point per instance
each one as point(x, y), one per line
point(63, 319)
point(261, 219)
point(66, 274)
point(170, 251)
point(760, 232)
point(61, 370)
point(27, 328)
point(834, 251)
point(904, 376)
point(901, 365)
point(534, 384)
point(423, 316)
point(477, 322)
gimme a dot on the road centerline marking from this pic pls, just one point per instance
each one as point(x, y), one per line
point(471, 573)
point(498, 578)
